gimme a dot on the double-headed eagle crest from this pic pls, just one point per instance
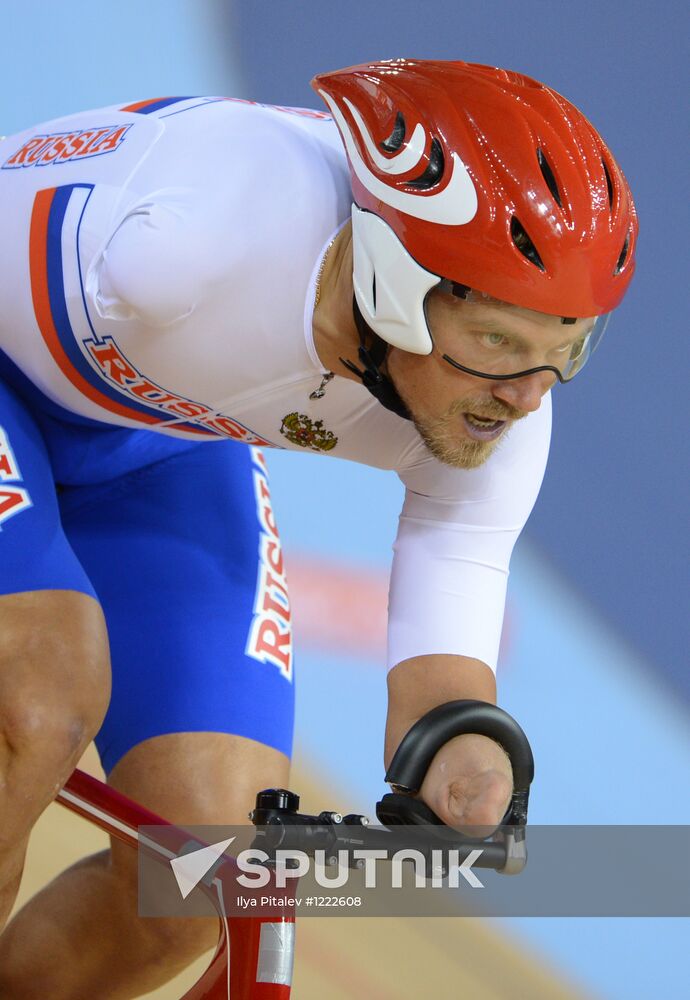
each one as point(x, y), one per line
point(307, 433)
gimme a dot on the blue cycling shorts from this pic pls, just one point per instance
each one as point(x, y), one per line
point(177, 541)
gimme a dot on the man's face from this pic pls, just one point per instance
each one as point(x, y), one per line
point(462, 417)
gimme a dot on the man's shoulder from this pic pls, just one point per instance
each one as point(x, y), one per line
point(227, 195)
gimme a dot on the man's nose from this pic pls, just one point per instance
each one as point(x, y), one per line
point(524, 393)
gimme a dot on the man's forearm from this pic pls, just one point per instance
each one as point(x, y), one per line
point(417, 685)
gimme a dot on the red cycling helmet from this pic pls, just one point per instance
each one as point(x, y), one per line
point(481, 176)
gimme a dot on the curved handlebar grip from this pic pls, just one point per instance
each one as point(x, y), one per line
point(456, 718)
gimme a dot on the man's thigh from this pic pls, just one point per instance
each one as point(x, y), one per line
point(191, 779)
point(54, 669)
point(199, 778)
point(186, 561)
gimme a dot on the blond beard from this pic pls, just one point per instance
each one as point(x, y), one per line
point(440, 434)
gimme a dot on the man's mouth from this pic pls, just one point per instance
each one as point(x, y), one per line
point(482, 428)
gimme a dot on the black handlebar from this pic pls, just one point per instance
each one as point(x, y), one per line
point(276, 809)
point(426, 737)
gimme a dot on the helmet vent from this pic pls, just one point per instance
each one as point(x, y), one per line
point(524, 243)
point(624, 255)
point(548, 175)
point(609, 183)
point(434, 170)
point(395, 140)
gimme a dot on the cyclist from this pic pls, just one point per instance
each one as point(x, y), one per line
point(224, 273)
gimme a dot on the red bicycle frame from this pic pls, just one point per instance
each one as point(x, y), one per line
point(254, 955)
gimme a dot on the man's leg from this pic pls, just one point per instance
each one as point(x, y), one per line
point(81, 935)
point(54, 660)
point(185, 559)
point(54, 687)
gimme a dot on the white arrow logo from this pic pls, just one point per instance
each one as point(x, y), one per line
point(191, 868)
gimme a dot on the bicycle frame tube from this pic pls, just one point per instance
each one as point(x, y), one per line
point(252, 952)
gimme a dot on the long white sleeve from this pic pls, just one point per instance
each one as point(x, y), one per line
point(455, 538)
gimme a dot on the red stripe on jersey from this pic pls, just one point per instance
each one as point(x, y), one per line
point(38, 264)
point(218, 425)
point(140, 105)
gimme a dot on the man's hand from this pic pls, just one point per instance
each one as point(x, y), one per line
point(470, 780)
point(469, 783)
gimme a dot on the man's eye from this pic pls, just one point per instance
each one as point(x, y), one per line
point(494, 339)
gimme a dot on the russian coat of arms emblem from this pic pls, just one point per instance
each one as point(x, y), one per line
point(307, 433)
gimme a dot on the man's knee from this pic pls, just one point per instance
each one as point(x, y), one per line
point(43, 732)
point(54, 691)
point(54, 652)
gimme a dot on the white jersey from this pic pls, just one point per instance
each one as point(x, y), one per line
point(162, 275)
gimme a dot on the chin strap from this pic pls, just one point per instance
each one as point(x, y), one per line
point(378, 384)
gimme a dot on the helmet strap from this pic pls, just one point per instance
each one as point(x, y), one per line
point(373, 379)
